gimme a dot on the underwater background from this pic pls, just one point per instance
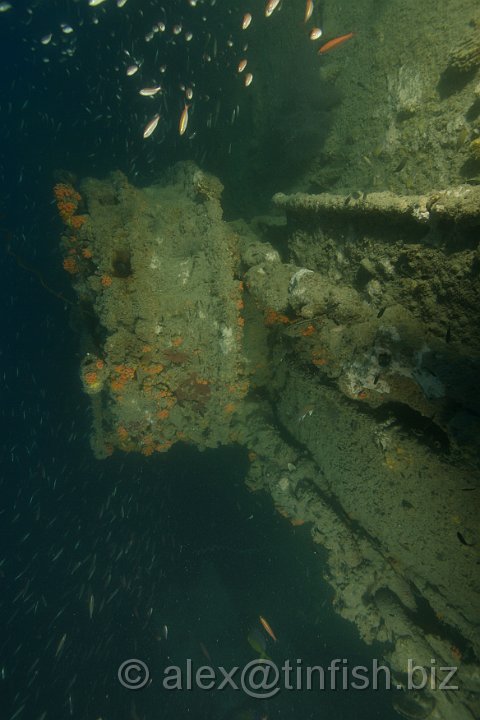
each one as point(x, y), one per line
point(170, 557)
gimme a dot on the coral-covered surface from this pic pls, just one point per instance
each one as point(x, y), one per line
point(155, 271)
point(339, 346)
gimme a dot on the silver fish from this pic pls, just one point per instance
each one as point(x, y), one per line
point(150, 126)
point(271, 6)
point(149, 91)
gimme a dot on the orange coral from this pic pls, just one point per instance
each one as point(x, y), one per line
point(67, 203)
point(62, 190)
point(164, 446)
point(229, 408)
point(77, 221)
point(148, 445)
point(87, 253)
point(91, 378)
point(106, 280)
point(66, 208)
point(309, 330)
point(272, 317)
point(176, 342)
point(163, 414)
point(70, 265)
point(318, 358)
point(125, 373)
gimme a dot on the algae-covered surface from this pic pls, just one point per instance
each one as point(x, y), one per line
point(164, 363)
point(409, 110)
point(270, 230)
point(343, 360)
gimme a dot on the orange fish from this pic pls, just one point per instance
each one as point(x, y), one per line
point(267, 628)
point(333, 43)
point(183, 122)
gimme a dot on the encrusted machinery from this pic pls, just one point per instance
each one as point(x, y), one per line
point(350, 327)
point(390, 287)
point(156, 274)
point(374, 303)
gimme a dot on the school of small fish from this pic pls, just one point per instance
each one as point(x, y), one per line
point(89, 574)
point(177, 54)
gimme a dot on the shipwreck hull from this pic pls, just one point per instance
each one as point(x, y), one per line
point(337, 341)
